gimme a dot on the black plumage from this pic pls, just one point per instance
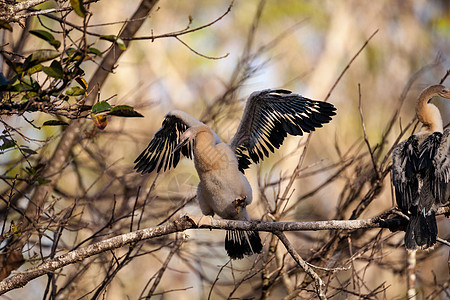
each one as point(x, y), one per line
point(239, 243)
point(159, 153)
point(268, 117)
point(418, 192)
point(276, 113)
point(420, 172)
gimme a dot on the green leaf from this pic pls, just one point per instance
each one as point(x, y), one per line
point(100, 107)
point(7, 143)
point(121, 44)
point(27, 150)
point(71, 52)
point(42, 181)
point(29, 95)
point(114, 39)
point(30, 171)
point(124, 111)
point(46, 36)
point(55, 70)
point(75, 91)
point(27, 83)
point(43, 34)
point(55, 43)
point(78, 7)
point(42, 55)
point(95, 51)
point(74, 55)
point(55, 123)
point(35, 69)
point(111, 38)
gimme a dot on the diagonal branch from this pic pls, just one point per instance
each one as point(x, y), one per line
point(299, 260)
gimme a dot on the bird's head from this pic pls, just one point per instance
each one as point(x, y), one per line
point(191, 133)
point(185, 138)
point(444, 92)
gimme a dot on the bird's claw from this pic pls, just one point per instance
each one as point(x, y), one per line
point(240, 203)
point(203, 221)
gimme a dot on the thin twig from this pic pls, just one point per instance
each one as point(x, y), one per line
point(163, 268)
point(349, 64)
point(181, 32)
point(366, 140)
point(198, 53)
point(299, 260)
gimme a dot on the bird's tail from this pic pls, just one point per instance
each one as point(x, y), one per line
point(421, 232)
point(239, 243)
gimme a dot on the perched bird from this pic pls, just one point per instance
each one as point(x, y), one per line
point(268, 117)
point(421, 171)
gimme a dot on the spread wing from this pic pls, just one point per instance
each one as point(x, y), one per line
point(269, 116)
point(159, 153)
point(405, 166)
point(435, 158)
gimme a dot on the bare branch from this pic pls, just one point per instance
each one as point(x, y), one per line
point(181, 32)
point(349, 64)
point(198, 53)
point(21, 6)
point(305, 267)
point(366, 140)
point(182, 224)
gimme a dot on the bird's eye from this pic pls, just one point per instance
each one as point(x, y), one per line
point(445, 93)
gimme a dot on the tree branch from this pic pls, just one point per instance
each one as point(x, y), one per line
point(9, 13)
point(11, 10)
point(184, 223)
point(299, 260)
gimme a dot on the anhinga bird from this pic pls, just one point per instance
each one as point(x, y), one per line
point(223, 189)
point(421, 171)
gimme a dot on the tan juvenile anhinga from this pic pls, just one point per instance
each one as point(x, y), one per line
point(268, 117)
point(421, 171)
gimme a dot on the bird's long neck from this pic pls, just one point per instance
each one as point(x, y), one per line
point(428, 114)
point(205, 152)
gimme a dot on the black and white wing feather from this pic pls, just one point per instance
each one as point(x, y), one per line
point(405, 166)
point(159, 153)
point(435, 159)
point(269, 116)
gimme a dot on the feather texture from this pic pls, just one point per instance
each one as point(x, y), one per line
point(421, 172)
point(269, 116)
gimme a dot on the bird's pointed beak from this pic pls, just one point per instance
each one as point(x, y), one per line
point(181, 144)
point(445, 93)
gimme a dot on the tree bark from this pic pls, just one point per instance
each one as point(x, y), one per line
point(181, 224)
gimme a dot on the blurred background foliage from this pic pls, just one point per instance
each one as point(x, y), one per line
point(302, 46)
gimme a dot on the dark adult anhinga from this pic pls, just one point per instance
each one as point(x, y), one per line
point(223, 189)
point(421, 172)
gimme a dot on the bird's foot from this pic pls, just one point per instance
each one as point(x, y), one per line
point(240, 203)
point(203, 221)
